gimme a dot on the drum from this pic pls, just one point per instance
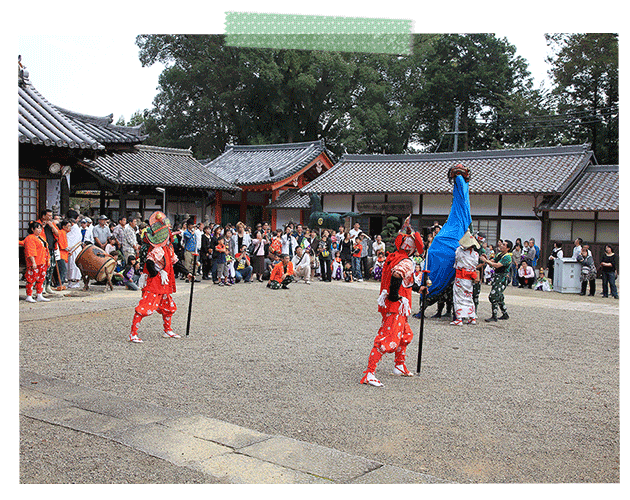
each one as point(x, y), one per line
point(94, 262)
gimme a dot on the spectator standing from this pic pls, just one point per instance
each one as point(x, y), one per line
point(198, 233)
point(101, 232)
point(556, 253)
point(325, 257)
point(289, 243)
point(339, 237)
point(357, 250)
point(609, 272)
point(577, 248)
point(516, 263)
point(205, 254)
point(130, 241)
point(74, 237)
point(258, 255)
point(589, 272)
point(222, 268)
point(356, 229)
point(302, 265)
point(299, 235)
point(50, 233)
point(239, 238)
point(189, 242)
point(530, 257)
point(526, 275)
point(532, 243)
point(345, 250)
point(501, 267)
point(37, 257)
point(366, 250)
point(119, 230)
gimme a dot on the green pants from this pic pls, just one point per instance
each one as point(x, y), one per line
point(496, 297)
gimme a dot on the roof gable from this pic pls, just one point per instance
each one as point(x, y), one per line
point(264, 164)
point(597, 190)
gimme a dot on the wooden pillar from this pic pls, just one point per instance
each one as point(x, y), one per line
point(243, 207)
point(122, 203)
point(274, 214)
point(64, 196)
point(217, 207)
point(102, 200)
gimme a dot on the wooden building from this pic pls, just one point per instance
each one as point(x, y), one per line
point(513, 193)
point(265, 173)
point(52, 143)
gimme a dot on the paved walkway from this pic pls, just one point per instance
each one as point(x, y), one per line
point(223, 451)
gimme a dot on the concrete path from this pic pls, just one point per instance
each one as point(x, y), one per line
point(221, 451)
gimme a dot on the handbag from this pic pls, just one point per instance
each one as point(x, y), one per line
point(253, 248)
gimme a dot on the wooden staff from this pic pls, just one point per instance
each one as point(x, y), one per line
point(192, 284)
point(422, 308)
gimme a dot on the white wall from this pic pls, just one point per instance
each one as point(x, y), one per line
point(518, 205)
point(523, 229)
point(483, 204)
point(286, 215)
point(337, 203)
point(437, 204)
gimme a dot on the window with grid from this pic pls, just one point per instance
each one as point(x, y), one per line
point(487, 227)
point(27, 201)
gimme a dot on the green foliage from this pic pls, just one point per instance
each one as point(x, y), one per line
point(585, 72)
point(389, 233)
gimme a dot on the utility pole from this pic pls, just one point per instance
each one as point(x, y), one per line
point(456, 132)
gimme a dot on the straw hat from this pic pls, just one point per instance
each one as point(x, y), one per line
point(468, 241)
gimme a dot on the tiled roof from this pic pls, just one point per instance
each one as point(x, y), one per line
point(155, 166)
point(291, 198)
point(596, 190)
point(248, 165)
point(40, 122)
point(522, 171)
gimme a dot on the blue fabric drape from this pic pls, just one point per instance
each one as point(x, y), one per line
point(441, 254)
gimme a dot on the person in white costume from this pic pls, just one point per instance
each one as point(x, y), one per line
point(466, 260)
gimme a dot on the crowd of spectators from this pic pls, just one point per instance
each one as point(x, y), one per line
point(230, 254)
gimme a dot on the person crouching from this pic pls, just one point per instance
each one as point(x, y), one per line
point(282, 274)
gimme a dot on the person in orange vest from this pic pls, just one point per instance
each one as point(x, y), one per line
point(37, 261)
point(282, 274)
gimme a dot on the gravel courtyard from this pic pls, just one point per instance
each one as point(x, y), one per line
point(534, 399)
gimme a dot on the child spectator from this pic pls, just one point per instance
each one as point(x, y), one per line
point(357, 249)
point(347, 273)
point(337, 267)
point(378, 265)
point(37, 261)
point(130, 277)
point(543, 283)
point(65, 227)
point(222, 270)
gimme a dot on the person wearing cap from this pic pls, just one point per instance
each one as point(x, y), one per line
point(101, 232)
point(481, 238)
point(394, 304)
point(466, 261)
point(501, 265)
point(157, 280)
point(87, 232)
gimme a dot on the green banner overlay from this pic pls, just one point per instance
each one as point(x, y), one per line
point(345, 34)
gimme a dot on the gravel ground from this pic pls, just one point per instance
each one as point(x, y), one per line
point(533, 399)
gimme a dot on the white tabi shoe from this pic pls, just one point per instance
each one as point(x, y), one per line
point(30, 299)
point(472, 321)
point(41, 298)
point(369, 378)
point(135, 339)
point(171, 335)
point(457, 322)
point(402, 370)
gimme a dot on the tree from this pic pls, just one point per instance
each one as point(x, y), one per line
point(585, 73)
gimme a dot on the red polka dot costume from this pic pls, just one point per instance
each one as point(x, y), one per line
point(394, 301)
point(158, 278)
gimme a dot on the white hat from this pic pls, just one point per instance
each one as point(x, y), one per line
point(468, 241)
